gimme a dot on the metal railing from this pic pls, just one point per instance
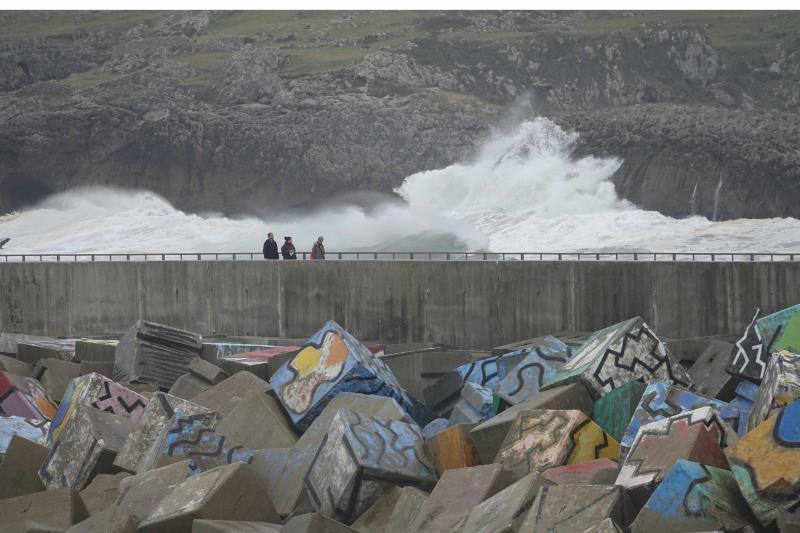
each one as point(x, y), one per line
point(416, 256)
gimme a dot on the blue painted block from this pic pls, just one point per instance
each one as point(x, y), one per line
point(331, 362)
point(662, 400)
point(694, 497)
point(540, 362)
point(475, 405)
point(744, 399)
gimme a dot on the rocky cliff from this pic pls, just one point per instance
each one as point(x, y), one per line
point(231, 111)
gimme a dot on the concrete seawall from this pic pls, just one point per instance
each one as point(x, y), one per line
point(476, 303)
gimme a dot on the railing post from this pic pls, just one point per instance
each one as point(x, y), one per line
point(635, 257)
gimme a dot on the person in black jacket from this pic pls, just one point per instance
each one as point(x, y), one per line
point(270, 247)
point(287, 250)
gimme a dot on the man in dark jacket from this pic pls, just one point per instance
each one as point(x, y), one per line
point(270, 247)
point(287, 250)
point(318, 250)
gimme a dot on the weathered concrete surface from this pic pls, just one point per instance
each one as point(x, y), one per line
point(19, 471)
point(480, 304)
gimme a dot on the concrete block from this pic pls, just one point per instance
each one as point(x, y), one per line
point(104, 368)
point(19, 471)
point(489, 435)
point(214, 350)
point(86, 446)
point(58, 508)
point(627, 351)
point(708, 372)
point(101, 493)
point(694, 497)
point(613, 410)
point(446, 390)
point(505, 511)
point(207, 371)
point(744, 398)
point(95, 350)
point(315, 523)
point(25, 397)
point(444, 361)
point(138, 494)
point(362, 457)
point(541, 439)
point(224, 396)
point(601, 471)
point(516, 346)
point(263, 362)
point(698, 435)
point(573, 508)
point(259, 423)
point(541, 361)
point(15, 366)
point(100, 393)
point(9, 342)
point(333, 361)
point(452, 448)
point(781, 330)
point(440, 424)
point(475, 405)
point(376, 518)
point(766, 463)
point(788, 522)
point(27, 428)
point(750, 354)
point(234, 526)
point(141, 448)
point(192, 437)
point(155, 353)
point(32, 351)
point(230, 492)
point(456, 494)
point(609, 526)
point(780, 386)
point(662, 400)
point(297, 462)
point(406, 510)
point(188, 386)
point(109, 520)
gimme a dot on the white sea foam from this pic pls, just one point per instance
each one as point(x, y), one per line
point(522, 191)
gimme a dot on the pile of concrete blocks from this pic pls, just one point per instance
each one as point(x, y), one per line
point(599, 432)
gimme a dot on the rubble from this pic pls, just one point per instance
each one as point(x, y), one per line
point(617, 437)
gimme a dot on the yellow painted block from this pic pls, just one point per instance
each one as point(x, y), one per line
point(452, 448)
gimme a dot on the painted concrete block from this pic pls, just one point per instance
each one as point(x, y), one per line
point(779, 387)
point(662, 400)
point(750, 353)
point(230, 492)
point(456, 494)
point(613, 410)
point(698, 435)
point(19, 471)
point(766, 463)
point(32, 351)
point(224, 396)
point(155, 353)
point(101, 492)
point(362, 457)
point(452, 448)
point(86, 446)
point(708, 372)
point(55, 375)
point(623, 352)
point(14, 366)
point(259, 423)
point(601, 471)
point(541, 361)
point(333, 361)
point(100, 393)
point(541, 439)
point(59, 508)
point(475, 405)
point(138, 494)
point(505, 511)
point(25, 397)
point(315, 523)
point(489, 435)
point(434, 427)
point(234, 526)
point(743, 399)
point(446, 389)
point(28, 428)
point(694, 497)
point(781, 330)
point(95, 350)
point(141, 448)
point(263, 362)
point(573, 508)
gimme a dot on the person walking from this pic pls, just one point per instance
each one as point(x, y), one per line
point(270, 247)
point(287, 250)
point(318, 250)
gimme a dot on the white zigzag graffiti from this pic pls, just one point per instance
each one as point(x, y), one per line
point(741, 350)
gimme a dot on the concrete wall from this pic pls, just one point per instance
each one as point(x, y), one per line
point(476, 304)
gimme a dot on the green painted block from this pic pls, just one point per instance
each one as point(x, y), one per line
point(613, 411)
point(790, 337)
